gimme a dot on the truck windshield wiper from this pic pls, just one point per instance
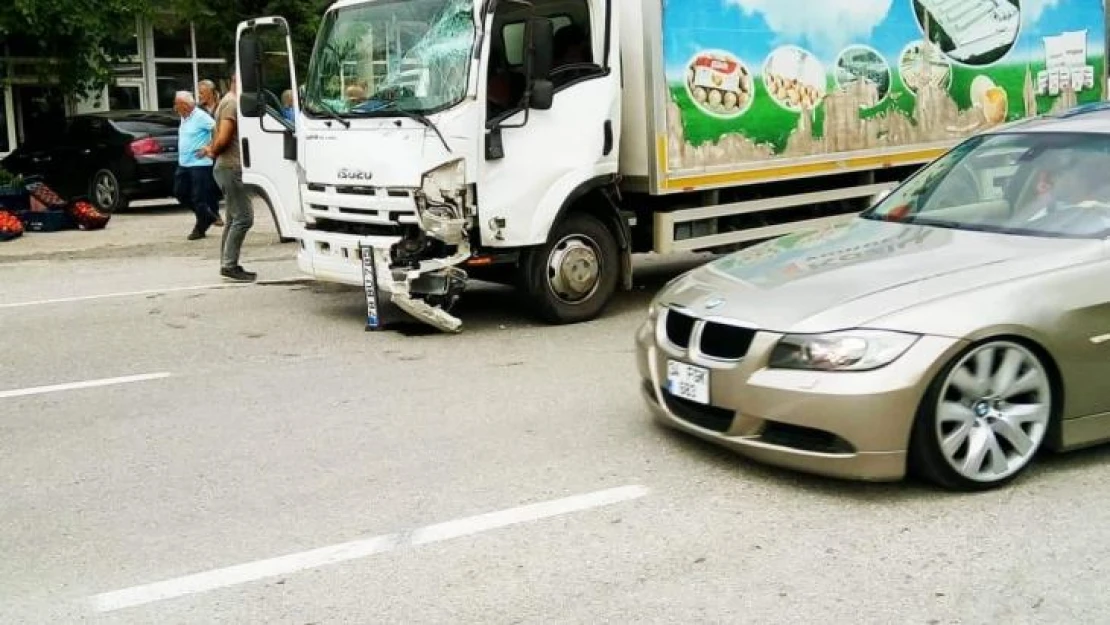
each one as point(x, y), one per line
point(391, 107)
point(331, 113)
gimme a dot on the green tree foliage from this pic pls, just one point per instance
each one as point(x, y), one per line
point(218, 19)
point(77, 40)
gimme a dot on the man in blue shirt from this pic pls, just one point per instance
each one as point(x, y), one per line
point(194, 185)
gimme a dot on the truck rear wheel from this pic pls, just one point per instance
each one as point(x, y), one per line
point(571, 277)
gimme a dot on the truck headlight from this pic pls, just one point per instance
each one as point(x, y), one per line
point(444, 203)
point(445, 185)
point(850, 350)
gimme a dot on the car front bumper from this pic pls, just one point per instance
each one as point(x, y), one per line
point(846, 425)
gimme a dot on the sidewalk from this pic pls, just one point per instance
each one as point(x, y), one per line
point(148, 229)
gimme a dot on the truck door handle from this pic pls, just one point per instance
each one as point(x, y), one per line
point(246, 152)
point(608, 133)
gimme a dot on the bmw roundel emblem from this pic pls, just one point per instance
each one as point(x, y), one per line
point(714, 302)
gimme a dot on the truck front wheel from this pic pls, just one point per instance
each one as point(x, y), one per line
point(571, 278)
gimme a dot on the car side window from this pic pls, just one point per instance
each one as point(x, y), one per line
point(79, 131)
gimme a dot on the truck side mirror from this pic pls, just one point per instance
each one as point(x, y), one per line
point(250, 69)
point(543, 94)
point(541, 47)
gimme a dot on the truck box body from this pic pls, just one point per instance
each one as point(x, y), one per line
point(746, 91)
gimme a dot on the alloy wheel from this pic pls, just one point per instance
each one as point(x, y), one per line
point(105, 190)
point(993, 411)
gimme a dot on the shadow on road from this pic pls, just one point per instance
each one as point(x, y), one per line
point(1047, 471)
point(743, 468)
point(489, 307)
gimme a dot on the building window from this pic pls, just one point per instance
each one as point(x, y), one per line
point(209, 46)
point(124, 97)
point(173, 77)
point(173, 39)
point(5, 145)
point(182, 58)
point(218, 73)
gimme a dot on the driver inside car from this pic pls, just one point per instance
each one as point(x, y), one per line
point(1065, 195)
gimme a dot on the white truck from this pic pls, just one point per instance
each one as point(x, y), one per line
point(542, 143)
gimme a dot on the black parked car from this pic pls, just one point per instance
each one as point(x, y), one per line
point(109, 158)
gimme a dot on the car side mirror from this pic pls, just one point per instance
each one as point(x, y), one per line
point(543, 94)
point(250, 75)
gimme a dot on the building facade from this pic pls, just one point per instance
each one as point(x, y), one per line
point(163, 57)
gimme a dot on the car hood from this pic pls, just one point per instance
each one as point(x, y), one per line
point(857, 272)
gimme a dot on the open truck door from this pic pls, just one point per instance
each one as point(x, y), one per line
point(269, 104)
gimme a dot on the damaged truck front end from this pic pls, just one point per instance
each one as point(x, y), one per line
point(424, 266)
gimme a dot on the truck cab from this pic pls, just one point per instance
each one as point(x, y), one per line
point(458, 138)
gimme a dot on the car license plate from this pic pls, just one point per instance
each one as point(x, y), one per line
point(688, 381)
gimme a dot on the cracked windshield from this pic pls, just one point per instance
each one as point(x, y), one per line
point(410, 55)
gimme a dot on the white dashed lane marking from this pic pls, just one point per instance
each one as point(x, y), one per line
point(73, 386)
point(353, 550)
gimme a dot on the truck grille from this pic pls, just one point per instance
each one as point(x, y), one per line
point(720, 341)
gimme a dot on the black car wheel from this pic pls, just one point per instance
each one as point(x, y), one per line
point(105, 192)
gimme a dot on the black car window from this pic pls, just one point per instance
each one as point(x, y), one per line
point(85, 129)
point(146, 126)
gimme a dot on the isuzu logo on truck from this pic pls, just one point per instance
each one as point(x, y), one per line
point(354, 174)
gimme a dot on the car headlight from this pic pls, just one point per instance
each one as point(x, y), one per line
point(850, 350)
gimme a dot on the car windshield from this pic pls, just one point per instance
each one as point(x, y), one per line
point(391, 55)
point(1034, 184)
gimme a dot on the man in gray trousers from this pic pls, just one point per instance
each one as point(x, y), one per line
point(228, 172)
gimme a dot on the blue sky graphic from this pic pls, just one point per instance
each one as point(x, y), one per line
point(694, 25)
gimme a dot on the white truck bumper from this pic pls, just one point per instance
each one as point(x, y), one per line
point(331, 257)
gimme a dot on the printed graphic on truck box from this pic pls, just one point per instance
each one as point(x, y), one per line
point(795, 78)
point(719, 84)
point(973, 32)
point(865, 64)
point(849, 77)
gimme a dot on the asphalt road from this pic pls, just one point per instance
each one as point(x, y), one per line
point(280, 465)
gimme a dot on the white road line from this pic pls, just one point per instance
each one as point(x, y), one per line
point(283, 565)
point(72, 386)
point(177, 289)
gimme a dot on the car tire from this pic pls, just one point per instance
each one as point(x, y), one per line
point(984, 417)
point(572, 277)
point(106, 193)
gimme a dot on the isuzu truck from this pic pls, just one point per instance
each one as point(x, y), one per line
point(542, 143)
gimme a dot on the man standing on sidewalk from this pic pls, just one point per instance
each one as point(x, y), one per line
point(229, 176)
point(194, 186)
point(208, 96)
